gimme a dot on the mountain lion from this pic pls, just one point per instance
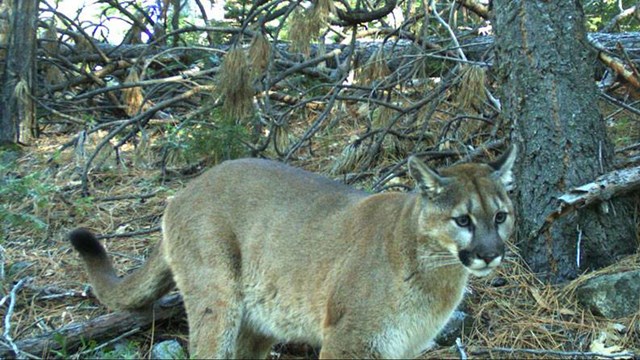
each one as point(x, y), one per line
point(263, 252)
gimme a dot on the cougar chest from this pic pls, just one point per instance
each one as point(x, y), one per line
point(418, 318)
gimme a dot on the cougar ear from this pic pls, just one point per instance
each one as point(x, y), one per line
point(428, 181)
point(503, 167)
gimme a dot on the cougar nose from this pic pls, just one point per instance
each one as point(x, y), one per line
point(488, 257)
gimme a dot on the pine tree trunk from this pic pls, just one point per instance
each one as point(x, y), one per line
point(546, 70)
point(19, 72)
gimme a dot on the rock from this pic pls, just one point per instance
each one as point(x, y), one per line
point(498, 281)
point(459, 322)
point(169, 349)
point(611, 296)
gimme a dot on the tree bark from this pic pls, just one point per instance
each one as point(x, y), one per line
point(18, 78)
point(546, 69)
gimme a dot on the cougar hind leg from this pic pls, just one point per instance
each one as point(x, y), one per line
point(252, 345)
point(213, 327)
point(207, 273)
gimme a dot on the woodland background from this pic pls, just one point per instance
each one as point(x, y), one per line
point(103, 117)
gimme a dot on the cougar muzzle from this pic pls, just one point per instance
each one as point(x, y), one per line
point(483, 254)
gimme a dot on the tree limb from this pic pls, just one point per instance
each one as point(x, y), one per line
point(616, 19)
point(355, 17)
point(476, 7)
point(619, 68)
point(555, 353)
point(605, 187)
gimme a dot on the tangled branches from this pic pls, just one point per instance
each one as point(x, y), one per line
point(284, 81)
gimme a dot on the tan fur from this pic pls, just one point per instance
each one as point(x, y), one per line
point(263, 252)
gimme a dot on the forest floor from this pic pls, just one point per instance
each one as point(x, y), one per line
point(512, 311)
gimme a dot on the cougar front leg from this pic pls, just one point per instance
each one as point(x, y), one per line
point(345, 341)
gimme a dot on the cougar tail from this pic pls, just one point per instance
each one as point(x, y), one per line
point(134, 291)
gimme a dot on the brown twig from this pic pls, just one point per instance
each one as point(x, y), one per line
point(128, 197)
point(617, 102)
point(129, 234)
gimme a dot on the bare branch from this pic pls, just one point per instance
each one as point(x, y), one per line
point(355, 17)
point(616, 19)
point(476, 7)
point(571, 354)
point(6, 335)
point(605, 187)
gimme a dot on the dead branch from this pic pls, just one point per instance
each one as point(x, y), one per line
point(356, 16)
point(313, 128)
point(619, 67)
point(128, 197)
point(94, 76)
point(607, 42)
point(7, 317)
point(52, 292)
point(555, 353)
point(619, 103)
point(82, 39)
point(476, 7)
point(475, 49)
point(621, 16)
point(2, 263)
point(130, 234)
point(135, 19)
point(605, 187)
point(186, 76)
point(146, 115)
point(460, 347)
point(102, 327)
point(306, 64)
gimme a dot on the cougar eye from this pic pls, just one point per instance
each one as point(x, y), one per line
point(501, 217)
point(463, 221)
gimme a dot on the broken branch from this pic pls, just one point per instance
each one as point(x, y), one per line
point(603, 188)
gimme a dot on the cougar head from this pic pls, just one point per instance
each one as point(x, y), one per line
point(466, 214)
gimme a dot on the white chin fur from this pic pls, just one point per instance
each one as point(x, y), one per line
point(482, 272)
point(480, 268)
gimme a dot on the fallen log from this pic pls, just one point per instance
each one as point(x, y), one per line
point(602, 189)
point(619, 52)
point(70, 337)
point(476, 48)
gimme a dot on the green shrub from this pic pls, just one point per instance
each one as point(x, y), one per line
point(24, 199)
point(210, 141)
